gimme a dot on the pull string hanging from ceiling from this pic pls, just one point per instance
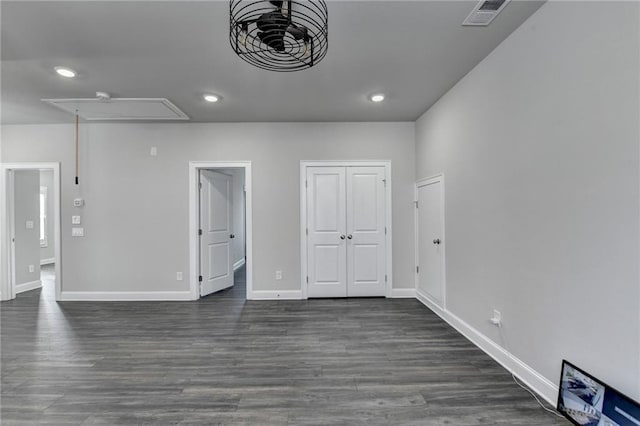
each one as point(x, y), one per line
point(77, 163)
point(284, 36)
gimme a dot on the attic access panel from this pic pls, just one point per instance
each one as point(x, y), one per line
point(120, 109)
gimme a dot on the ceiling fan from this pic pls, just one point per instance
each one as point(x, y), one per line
point(281, 35)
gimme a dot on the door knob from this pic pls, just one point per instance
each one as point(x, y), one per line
point(350, 236)
point(437, 241)
point(342, 237)
point(232, 236)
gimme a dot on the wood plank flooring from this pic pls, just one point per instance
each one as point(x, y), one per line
point(224, 360)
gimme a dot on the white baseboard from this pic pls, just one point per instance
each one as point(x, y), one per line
point(239, 264)
point(534, 380)
point(276, 295)
point(137, 296)
point(48, 261)
point(32, 285)
point(403, 293)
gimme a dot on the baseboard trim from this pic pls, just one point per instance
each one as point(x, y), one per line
point(125, 296)
point(239, 264)
point(403, 293)
point(48, 261)
point(534, 380)
point(32, 285)
point(276, 295)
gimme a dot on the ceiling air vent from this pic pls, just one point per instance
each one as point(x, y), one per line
point(104, 108)
point(485, 12)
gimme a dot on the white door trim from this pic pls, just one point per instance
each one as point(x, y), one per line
point(303, 215)
point(7, 226)
point(420, 183)
point(194, 209)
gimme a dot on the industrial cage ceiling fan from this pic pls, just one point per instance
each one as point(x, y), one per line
point(285, 36)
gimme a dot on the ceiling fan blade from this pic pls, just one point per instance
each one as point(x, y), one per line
point(273, 39)
point(298, 33)
point(272, 21)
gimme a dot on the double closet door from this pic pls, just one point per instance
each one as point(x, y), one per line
point(346, 242)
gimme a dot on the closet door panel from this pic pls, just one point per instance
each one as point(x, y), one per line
point(366, 235)
point(326, 241)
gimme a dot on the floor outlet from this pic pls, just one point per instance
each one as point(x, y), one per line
point(278, 275)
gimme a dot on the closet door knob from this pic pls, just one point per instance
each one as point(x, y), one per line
point(232, 236)
point(350, 236)
point(342, 237)
point(437, 241)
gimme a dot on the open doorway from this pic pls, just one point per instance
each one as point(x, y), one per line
point(31, 230)
point(220, 219)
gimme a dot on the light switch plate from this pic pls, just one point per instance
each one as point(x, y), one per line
point(29, 224)
point(75, 220)
point(78, 202)
point(77, 232)
point(32, 268)
point(154, 151)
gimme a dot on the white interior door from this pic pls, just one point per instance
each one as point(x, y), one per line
point(216, 263)
point(430, 244)
point(326, 223)
point(366, 249)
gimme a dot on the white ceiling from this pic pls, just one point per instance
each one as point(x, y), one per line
point(412, 51)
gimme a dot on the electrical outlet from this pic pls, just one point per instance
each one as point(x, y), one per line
point(278, 275)
point(77, 232)
point(32, 268)
point(154, 151)
point(75, 220)
point(29, 224)
point(78, 202)
point(178, 276)
point(496, 319)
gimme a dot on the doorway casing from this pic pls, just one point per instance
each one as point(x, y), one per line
point(7, 226)
point(303, 215)
point(194, 209)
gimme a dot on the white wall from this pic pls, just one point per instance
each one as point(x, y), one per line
point(27, 208)
point(47, 253)
point(539, 147)
point(136, 211)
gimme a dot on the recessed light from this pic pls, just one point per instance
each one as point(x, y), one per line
point(211, 98)
point(378, 97)
point(65, 72)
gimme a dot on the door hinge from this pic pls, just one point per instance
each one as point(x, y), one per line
point(416, 203)
point(307, 279)
point(306, 183)
point(385, 278)
point(199, 231)
point(384, 181)
point(199, 185)
point(307, 231)
point(417, 269)
point(385, 230)
point(200, 278)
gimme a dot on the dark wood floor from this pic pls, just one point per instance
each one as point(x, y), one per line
point(223, 360)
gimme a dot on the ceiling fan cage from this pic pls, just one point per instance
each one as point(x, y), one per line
point(284, 36)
